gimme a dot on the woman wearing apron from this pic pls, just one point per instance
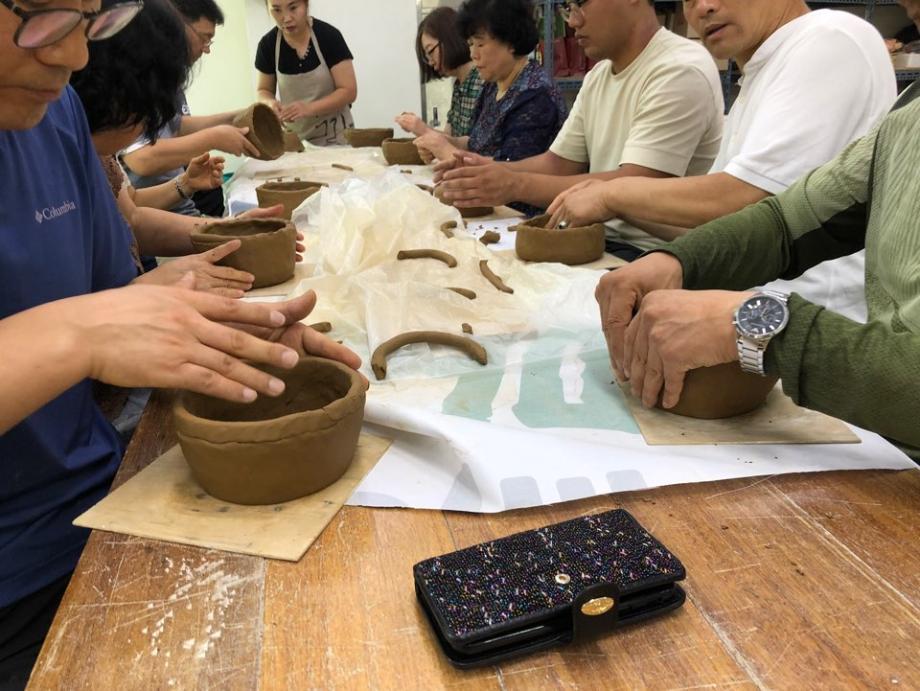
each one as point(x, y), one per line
point(306, 62)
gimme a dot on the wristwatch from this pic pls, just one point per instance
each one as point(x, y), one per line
point(181, 192)
point(757, 320)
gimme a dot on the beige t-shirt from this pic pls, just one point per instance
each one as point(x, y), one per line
point(664, 111)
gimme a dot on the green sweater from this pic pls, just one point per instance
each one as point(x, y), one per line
point(869, 196)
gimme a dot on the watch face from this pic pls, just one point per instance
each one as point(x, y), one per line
point(762, 316)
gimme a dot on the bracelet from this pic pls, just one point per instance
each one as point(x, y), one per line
point(182, 193)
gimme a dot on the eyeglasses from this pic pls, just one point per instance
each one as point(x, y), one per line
point(40, 28)
point(206, 40)
point(429, 52)
point(569, 9)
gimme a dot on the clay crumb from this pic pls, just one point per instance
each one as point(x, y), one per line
point(490, 237)
point(467, 329)
point(342, 166)
point(322, 327)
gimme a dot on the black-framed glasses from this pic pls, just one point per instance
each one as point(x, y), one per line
point(429, 52)
point(571, 8)
point(40, 28)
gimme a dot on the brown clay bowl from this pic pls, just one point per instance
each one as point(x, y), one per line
point(722, 391)
point(268, 247)
point(275, 449)
point(465, 212)
point(290, 194)
point(534, 242)
point(401, 152)
point(292, 142)
point(265, 131)
point(371, 136)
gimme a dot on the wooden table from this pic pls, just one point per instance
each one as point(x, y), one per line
point(803, 581)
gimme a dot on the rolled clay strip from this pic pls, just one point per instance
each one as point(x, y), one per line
point(465, 292)
point(448, 228)
point(467, 329)
point(428, 254)
point(322, 327)
point(342, 166)
point(492, 278)
point(406, 172)
point(467, 345)
point(490, 237)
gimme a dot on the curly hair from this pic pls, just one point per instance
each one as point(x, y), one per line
point(134, 78)
point(510, 21)
point(441, 25)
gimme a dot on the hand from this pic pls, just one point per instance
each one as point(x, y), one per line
point(674, 332)
point(480, 182)
point(275, 211)
point(275, 105)
point(580, 205)
point(437, 144)
point(893, 45)
point(411, 122)
point(170, 337)
point(426, 155)
point(207, 276)
point(231, 140)
point(296, 111)
point(620, 293)
point(204, 172)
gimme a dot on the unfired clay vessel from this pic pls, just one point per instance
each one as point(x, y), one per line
point(401, 152)
point(722, 391)
point(534, 242)
point(268, 247)
point(265, 131)
point(368, 136)
point(292, 142)
point(275, 449)
point(290, 194)
point(465, 212)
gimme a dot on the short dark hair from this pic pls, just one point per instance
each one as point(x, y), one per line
point(510, 21)
point(441, 25)
point(134, 77)
point(193, 10)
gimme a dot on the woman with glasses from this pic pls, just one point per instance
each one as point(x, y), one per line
point(442, 52)
point(306, 74)
point(520, 109)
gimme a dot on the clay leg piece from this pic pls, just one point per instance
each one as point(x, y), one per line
point(465, 292)
point(492, 278)
point(467, 345)
point(428, 254)
point(448, 228)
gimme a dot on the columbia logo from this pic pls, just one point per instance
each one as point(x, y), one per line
point(38, 217)
point(51, 212)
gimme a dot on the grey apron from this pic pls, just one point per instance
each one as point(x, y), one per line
point(310, 86)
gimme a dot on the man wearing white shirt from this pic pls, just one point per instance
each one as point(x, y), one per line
point(812, 83)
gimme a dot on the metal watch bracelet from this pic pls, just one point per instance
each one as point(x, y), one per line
point(751, 352)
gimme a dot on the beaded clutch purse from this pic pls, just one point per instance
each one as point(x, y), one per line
point(544, 587)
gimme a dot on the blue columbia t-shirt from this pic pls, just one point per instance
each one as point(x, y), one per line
point(60, 236)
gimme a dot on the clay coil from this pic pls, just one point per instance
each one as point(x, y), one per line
point(492, 278)
point(465, 292)
point(466, 345)
point(428, 254)
point(448, 228)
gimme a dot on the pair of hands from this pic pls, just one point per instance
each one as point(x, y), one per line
point(232, 140)
point(292, 111)
point(411, 122)
point(173, 337)
point(205, 172)
point(657, 332)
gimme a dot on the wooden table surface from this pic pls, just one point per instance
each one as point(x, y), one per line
point(801, 581)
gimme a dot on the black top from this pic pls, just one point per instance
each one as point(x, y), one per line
point(330, 41)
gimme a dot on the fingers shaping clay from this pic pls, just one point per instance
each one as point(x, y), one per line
point(401, 152)
point(465, 292)
point(492, 278)
point(428, 254)
point(721, 391)
point(537, 243)
point(275, 449)
point(267, 250)
point(370, 136)
point(467, 345)
point(265, 132)
point(290, 194)
point(465, 211)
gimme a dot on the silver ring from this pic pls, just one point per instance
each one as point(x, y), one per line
point(563, 225)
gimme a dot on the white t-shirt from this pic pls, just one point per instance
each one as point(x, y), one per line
point(818, 83)
point(664, 111)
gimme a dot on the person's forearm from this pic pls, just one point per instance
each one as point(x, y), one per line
point(42, 358)
point(164, 196)
point(168, 154)
point(541, 189)
point(265, 96)
point(163, 233)
point(195, 123)
point(681, 202)
point(861, 373)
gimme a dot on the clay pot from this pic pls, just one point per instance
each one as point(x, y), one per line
point(292, 142)
point(722, 391)
point(291, 194)
point(533, 242)
point(465, 212)
point(275, 449)
point(265, 132)
point(372, 136)
point(268, 247)
point(401, 152)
